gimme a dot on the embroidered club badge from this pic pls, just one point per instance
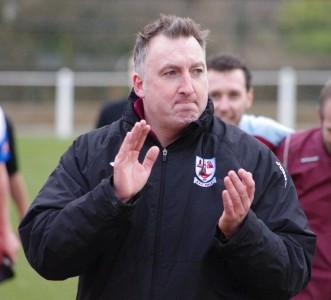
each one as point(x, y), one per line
point(204, 171)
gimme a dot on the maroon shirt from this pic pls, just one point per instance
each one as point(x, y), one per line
point(309, 164)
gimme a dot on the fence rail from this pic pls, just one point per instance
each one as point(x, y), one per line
point(104, 79)
point(65, 80)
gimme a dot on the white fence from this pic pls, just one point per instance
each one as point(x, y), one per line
point(65, 81)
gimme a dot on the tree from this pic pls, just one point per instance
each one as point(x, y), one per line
point(306, 25)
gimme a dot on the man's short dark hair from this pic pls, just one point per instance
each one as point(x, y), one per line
point(228, 62)
point(170, 26)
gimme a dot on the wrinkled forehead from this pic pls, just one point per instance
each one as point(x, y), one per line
point(172, 48)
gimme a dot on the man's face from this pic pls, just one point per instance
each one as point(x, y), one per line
point(174, 86)
point(326, 125)
point(229, 94)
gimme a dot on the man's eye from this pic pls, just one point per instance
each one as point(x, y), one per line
point(215, 96)
point(171, 73)
point(198, 71)
point(234, 95)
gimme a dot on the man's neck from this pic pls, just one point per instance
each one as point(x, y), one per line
point(165, 136)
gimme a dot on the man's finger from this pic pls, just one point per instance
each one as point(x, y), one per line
point(151, 157)
point(248, 181)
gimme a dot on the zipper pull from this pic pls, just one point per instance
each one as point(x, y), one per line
point(164, 153)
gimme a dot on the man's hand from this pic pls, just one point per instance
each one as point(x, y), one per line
point(237, 199)
point(129, 174)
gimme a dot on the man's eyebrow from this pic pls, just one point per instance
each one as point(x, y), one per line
point(169, 66)
point(198, 64)
point(174, 66)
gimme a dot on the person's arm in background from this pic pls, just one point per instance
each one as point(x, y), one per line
point(17, 184)
point(19, 193)
point(9, 243)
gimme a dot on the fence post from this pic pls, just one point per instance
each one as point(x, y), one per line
point(64, 103)
point(286, 97)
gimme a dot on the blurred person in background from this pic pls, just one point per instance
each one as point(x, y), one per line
point(17, 184)
point(307, 156)
point(230, 88)
point(9, 242)
point(170, 202)
point(112, 111)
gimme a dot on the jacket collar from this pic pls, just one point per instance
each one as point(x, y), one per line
point(135, 112)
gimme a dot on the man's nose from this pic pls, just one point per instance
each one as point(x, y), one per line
point(186, 84)
point(222, 104)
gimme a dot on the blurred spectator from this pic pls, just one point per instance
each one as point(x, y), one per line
point(9, 243)
point(307, 156)
point(16, 181)
point(110, 112)
point(231, 90)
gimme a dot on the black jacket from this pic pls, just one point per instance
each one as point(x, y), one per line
point(111, 112)
point(164, 244)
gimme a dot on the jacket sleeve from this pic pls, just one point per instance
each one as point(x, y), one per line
point(272, 252)
point(70, 224)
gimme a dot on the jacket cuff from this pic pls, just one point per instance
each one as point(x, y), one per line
point(130, 201)
point(248, 230)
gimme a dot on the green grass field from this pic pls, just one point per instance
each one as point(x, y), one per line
point(37, 157)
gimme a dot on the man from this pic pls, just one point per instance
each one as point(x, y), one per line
point(307, 156)
point(16, 181)
point(169, 202)
point(9, 243)
point(230, 88)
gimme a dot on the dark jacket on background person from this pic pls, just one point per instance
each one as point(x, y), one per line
point(111, 112)
point(165, 242)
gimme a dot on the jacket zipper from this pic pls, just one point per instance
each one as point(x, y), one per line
point(164, 155)
point(159, 216)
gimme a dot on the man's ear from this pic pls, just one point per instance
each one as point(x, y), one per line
point(250, 98)
point(138, 85)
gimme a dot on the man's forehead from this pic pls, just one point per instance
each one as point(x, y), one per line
point(174, 48)
point(235, 77)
